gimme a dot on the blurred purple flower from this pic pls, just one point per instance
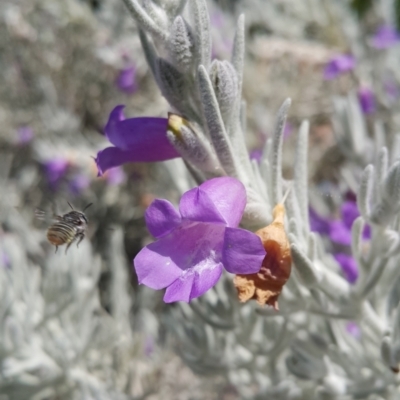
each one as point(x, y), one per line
point(367, 101)
point(256, 155)
point(24, 135)
point(78, 184)
point(385, 36)
point(188, 257)
point(349, 212)
point(55, 170)
point(141, 139)
point(5, 259)
point(149, 346)
point(319, 224)
point(348, 265)
point(339, 233)
point(337, 65)
point(115, 176)
point(126, 80)
point(353, 328)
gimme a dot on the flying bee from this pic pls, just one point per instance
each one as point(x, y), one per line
point(66, 228)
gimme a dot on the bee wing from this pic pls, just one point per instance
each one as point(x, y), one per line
point(46, 216)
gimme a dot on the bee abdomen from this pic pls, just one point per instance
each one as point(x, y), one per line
point(60, 233)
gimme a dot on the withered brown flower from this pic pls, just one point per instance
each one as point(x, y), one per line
point(266, 285)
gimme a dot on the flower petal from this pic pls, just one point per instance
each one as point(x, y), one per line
point(206, 280)
point(154, 268)
point(180, 289)
point(146, 136)
point(193, 284)
point(217, 200)
point(161, 217)
point(243, 251)
point(195, 205)
point(112, 157)
point(349, 212)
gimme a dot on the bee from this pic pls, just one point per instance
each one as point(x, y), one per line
point(66, 228)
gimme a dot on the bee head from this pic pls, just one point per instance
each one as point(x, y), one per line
point(76, 218)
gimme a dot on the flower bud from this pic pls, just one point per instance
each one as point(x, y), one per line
point(181, 45)
point(225, 83)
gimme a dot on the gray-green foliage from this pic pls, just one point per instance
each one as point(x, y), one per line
point(304, 351)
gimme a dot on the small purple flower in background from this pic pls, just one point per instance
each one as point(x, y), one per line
point(339, 232)
point(24, 135)
point(367, 101)
point(187, 258)
point(115, 176)
point(338, 65)
point(256, 155)
point(149, 346)
point(348, 265)
point(78, 184)
point(5, 259)
point(289, 129)
point(126, 80)
point(142, 139)
point(385, 36)
point(55, 170)
point(353, 329)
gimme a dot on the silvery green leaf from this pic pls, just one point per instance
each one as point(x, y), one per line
point(365, 192)
point(276, 162)
point(181, 44)
point(300, 182)
point(156, 13)
point(149, 52)
point(202, 32)
point(224, 80)
point(304, 267)
point(215, 124)
point(172, 85)
point(195, 149)
point(238, 51)
point(145, 22)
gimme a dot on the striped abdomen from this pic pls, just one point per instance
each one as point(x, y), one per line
point(61, 233)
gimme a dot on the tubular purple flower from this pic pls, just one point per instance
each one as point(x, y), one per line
point(142, 139)
point(385, 36)
point(338, 65)
point(188, 258)
point(366, 98)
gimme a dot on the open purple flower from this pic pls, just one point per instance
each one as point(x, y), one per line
point(126, 80)
point(366, 98)
point(385, 36)
point(188, 258)
point(338, 65)
point(142, 139)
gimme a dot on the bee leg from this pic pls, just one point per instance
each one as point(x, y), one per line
point(56, 250)
point(81, 237)
point(68, 246)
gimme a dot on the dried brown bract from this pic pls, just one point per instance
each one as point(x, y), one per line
point(266, 285)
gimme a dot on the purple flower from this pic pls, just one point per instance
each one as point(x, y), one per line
point(319, 224)
point(348, 265)
point(338, 65)
point(141, 139)
point(126, 80)
point(190, 253)
point(354, 330)
point(115, 176)
point(24, 135)
point(349, 213)
point(256, 154)
point(391, 90)
point(385, 36)
point(78, 184)
point(55, 170)
point(366, 98)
